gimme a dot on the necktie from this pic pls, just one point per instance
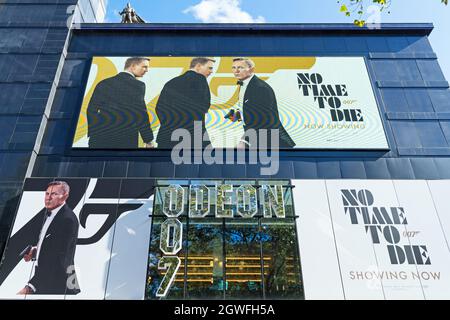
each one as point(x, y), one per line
point(240, 82)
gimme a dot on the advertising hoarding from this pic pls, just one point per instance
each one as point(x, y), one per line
point(112, 216)
point(385, 239)
point(331, 239)
point(312, 103)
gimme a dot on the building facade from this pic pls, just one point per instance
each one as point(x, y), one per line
point(34, 36)
point(357, 221)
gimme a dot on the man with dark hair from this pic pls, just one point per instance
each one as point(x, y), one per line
point(54, 250)
point(117, 112)
point(183, 100)
point(258, 105)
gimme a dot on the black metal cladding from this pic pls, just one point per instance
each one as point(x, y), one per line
point(411, 91)
point(410, 88)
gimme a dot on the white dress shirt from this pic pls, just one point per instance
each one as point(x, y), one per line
point(44, 229)
point(242, 90)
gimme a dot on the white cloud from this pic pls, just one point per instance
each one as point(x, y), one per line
point(222, 11)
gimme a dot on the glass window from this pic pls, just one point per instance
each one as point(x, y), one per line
point(282, 276)
point(224, 258)
point(155, 276)
point(205, 267)
point(243, 259)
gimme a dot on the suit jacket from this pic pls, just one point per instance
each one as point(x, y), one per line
point(117, 113)
point(56, 258)
point(260, 111)
point(182, 101)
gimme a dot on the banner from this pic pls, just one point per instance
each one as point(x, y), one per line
point(373, 239)
point(299, 102)
point(82, 248)
point(87, 238)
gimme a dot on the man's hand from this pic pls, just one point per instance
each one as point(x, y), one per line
point(26, 290)
point(149, 145)
point(27, 257)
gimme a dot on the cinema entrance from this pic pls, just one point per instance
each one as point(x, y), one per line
point(224, 258)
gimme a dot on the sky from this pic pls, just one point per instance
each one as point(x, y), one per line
point(289, 11)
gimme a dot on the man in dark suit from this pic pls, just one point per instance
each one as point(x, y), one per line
point(183, 100)
point(117, 112)
point(54, 249)
point(259, 109)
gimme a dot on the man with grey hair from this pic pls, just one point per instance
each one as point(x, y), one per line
point(54, 250)
point(183, 100)
point(257, 105)
point(117, 112)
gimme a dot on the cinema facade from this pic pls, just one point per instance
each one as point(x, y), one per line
point(357, 209)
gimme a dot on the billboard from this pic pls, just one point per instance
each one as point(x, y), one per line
point(229, 239)
point(378, 239)
point(106, 217)
point(229, 102)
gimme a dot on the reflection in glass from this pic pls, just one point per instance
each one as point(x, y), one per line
point(205, 259)
point(155, 276)
point(243, 259)
point(282, 277)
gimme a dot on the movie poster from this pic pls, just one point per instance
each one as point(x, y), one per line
point(71, 239)
point(229, 102)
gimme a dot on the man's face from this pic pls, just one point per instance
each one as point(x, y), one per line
point(140, 69)
point(241, 70)
point(205, 69)
point(54, 197)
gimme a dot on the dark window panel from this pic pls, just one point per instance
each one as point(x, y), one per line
point(430, 70)
point(431, 135)
point(305, 169)
point(56, 134)
point(12, 96)
point(405, 133)
point(13, 166)
point(188, 170)
point(408, 70)
point(424, 168)
point(419, 44)
point(139, 168)
point(377, 44)
point(440, 99)
point(397, 44)
point(418, 100)
point(394, 100)
point(115, 169)
point(233, 170)
point(385, 70)
point(443, 167)
point(356, 44)
point(400, 168)
point(353, 169)
point(445, 125)
point(7, 125)
point(21, 38)
point(328, 169)
point(377, 169)
point(162, 170)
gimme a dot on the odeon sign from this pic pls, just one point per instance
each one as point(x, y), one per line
point(200, 200)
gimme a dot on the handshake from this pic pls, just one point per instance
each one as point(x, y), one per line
point(234, 115)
